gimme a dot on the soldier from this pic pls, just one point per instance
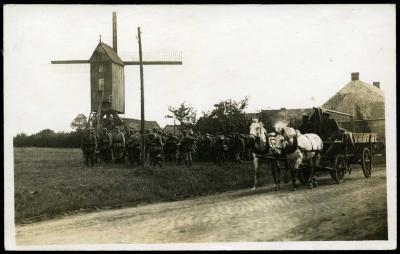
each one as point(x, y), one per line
point(133, 147)
point(247, 147)
point(138, 147)
point(148, 145)
point(89, 147)
point(229, 147)
point(238, 147)
point(219, 148)
point(188, 143)
point(118, 145)
point(179, 154)
point(171, 146)
point(195, 155)
point(207, 142)
point(105, 142)
point(108, 122)
point(155, 148)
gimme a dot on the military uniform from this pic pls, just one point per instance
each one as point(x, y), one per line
point(118, 146)
point(105, 142)
point(207, 145)
point(179, 154)
point(171, 146)
point(188, 144)
point(133, 147)
point(219, 148)
point(155, 149)
point(89, 147)
point(238, 147)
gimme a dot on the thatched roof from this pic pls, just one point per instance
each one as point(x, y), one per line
point(358, 98)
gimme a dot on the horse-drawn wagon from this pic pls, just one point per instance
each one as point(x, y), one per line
point(343, 148)
point(321, 144)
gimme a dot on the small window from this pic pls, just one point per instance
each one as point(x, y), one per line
point(101, 84)
point(101, 68)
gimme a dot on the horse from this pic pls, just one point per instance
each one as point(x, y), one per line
point(297, 148)
point(262, 144)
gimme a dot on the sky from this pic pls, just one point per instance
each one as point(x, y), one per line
point(291, 56)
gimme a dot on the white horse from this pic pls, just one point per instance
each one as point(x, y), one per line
point(297, 148)
point(263, 144)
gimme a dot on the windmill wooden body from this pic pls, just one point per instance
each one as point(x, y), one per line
point(107, 80)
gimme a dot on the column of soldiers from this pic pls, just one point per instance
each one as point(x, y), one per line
point(184, 148)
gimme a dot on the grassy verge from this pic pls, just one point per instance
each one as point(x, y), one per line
point(50, 182)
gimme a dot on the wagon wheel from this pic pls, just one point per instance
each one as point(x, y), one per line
point(339, 169)
point(366, 162)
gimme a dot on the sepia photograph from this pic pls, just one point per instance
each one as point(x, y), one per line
point(200, 127)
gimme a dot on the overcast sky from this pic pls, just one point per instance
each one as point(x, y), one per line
point(291, 56)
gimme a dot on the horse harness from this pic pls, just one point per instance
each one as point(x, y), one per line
point(295, 146)
point(258, 152)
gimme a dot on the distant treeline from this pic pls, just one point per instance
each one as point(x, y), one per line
point(49, 138)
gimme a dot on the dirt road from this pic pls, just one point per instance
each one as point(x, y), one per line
point(352, 210)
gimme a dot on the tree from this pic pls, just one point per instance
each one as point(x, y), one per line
point(227, 116)
point(184, 114)
point(79, 122)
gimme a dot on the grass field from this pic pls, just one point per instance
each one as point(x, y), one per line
point(50, 182)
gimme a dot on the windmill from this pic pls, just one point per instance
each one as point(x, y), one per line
point(107, 80)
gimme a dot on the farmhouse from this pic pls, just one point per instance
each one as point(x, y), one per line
point(172, 129)
point(135, 124)
point(365, 101)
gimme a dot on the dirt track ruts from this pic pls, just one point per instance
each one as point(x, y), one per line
point(353, 210)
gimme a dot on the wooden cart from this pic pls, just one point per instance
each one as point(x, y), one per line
point(338, 155)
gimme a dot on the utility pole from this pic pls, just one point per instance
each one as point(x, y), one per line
point(143, 147)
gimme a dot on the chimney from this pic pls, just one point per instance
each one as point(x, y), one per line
point(115, 47)
point(355, 76)
point(377, 84)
